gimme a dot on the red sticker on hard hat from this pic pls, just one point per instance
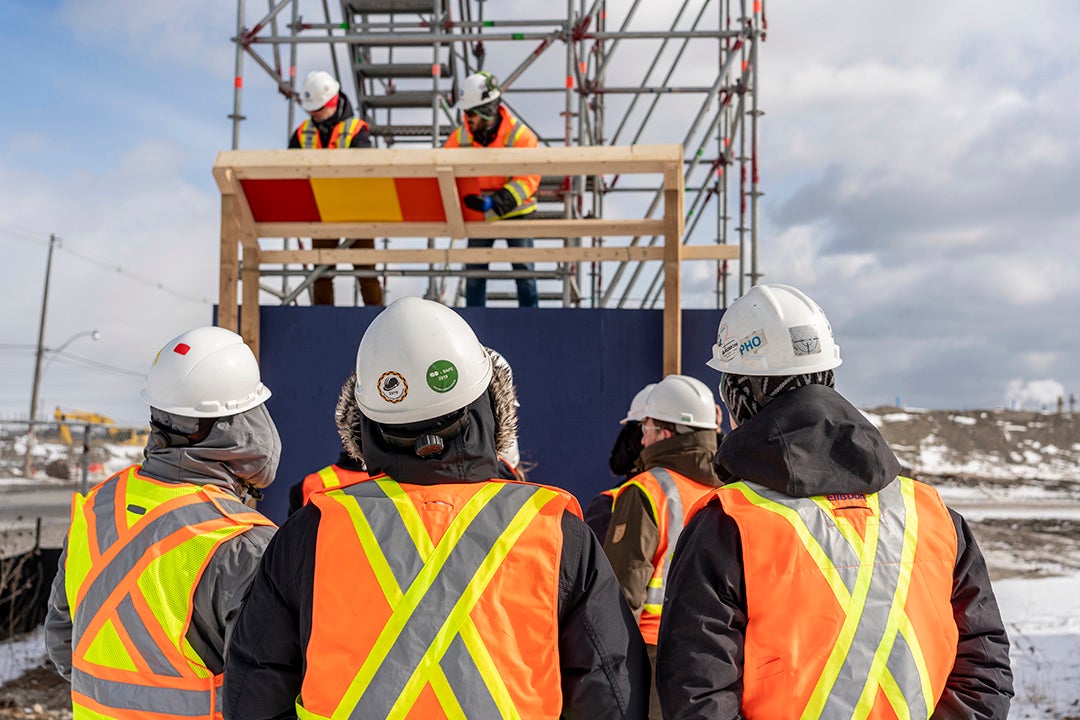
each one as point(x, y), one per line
point(181, 349)
point(392, 387)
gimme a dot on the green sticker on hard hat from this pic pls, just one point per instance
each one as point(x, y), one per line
point(442, 376)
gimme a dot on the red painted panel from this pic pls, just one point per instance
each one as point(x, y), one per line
point(281, 200)
point(420, 200)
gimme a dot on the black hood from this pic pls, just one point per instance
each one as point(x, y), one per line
point(809, 441)
point(469, 456)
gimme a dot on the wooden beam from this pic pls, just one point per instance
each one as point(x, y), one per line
point(451, 203)
point(229, 264)
point(249, 274)
point(466, 162)
point(361, 256)
point(673, 230)
point(526, 229)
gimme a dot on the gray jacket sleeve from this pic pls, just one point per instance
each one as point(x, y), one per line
point(220, 592)
point(58, 622)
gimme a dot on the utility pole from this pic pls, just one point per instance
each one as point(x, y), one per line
point(37, 361)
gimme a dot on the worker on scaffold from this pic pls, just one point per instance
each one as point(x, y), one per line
point(489, 124)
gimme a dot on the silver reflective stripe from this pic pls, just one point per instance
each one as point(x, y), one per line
point(343, 136)
point(388, 527)
point(468, 684)
point(105, 514)
point(143, 698)
point(821, 526)
point(432, 612)
point(511, 137)
point(854, 674)
point(140, 636)
point(128, 557)
point(675, 519)
point(309, 134)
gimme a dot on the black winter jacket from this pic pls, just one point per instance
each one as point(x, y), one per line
point(602, 657)
point(807, 442)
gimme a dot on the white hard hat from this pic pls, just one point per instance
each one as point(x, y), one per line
point(774, 330)
point(476, 90)
point(418, 360)
point(207, 372)
point(637, 405)
point(319, 89)
point(682, 400)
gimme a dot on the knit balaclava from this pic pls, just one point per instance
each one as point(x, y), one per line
point(746, 395)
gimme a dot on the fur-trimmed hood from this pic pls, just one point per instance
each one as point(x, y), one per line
point(504, 405)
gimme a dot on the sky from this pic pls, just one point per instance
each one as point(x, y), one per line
point(918, 162)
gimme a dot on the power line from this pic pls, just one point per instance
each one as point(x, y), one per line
point(88, 364)
point(120, 270)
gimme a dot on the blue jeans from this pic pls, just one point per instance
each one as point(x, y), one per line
point(476, 287)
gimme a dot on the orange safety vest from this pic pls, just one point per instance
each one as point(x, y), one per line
point(433, 601)
point(848, 601)
point(512, 133)
point(331, 476)
point(136, 551)
point(670, 496)
point(340, 137)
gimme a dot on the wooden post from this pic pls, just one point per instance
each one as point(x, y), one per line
point(673, 230)
point(230, 264)
point(249, 273)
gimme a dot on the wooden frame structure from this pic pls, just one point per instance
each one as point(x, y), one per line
point(252, 182)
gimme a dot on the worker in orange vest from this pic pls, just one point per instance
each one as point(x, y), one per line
point(816, 582)
point(435, 588)
point(159, 555)
point(678, 435)
point(489, 124)
point(623, 461)
point(331, 124)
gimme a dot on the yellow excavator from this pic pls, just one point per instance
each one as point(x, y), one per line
point(120, 436)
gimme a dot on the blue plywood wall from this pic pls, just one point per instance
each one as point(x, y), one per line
point(576, 372)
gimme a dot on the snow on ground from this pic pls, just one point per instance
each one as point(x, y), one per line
point(1042, 617)
point(22, 653)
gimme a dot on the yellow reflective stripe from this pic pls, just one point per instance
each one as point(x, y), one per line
point(329, 477)
point(853, 610)
point(302, 713)
point(895, 697)
point(409, 515)
point(897, 614)
point(474, 643)
point(648, 496)
point(405, 607)
point(383, 574)
point(489, 671)
point(851, 603)
point(447, 699)
point(820, 558)
point(470, 597)
point(843, 524)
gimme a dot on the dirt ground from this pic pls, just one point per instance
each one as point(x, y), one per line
point(39, 694)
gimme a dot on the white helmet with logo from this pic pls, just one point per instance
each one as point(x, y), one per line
point(774, 330)
point(637, 405)
point(418, 360)
point(682, 400)
point(318, 89)
point(476, 90)
point(208, 372)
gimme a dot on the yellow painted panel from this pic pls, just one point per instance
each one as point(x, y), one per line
point(356, 199)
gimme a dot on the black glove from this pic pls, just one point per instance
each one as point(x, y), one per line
point(479, 203)
point(503, 202)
